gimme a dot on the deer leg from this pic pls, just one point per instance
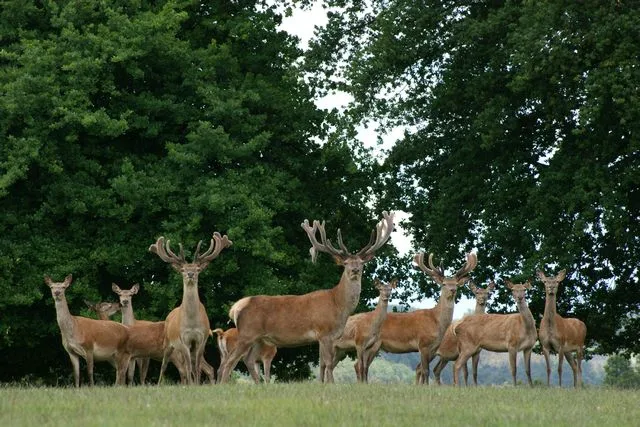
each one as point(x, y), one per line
point(250, 361)
point(327, 353)
point(131, 369)
point(165, 359)
point(232, 359)
point(545, 351)
point(75, 363)
point(574, 367)
point(512, 364)
point(143, 367)
point(461, 360)
point(475, 359)
point(359, 364)
point(425, 359)
point(208, 371)
point(465, 374)
point(527, 364)
point(560, 362)
point(89, 359)
point(122, 364)
point(437, 370)
point(579, 357)
point(266, 364)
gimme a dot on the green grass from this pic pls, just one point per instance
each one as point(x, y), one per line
point(312, 404)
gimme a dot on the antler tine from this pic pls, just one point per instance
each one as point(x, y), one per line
point(197, 252)
point(472, 261)
point(327, 242)
point(316, 246)
point(432, 271)
point(340, 242)
point(383, 231)
point(217, 244)
point(165, 253)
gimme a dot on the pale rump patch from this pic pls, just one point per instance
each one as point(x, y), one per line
point(236, 308)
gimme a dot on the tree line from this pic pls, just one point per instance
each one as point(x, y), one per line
point(122, 121)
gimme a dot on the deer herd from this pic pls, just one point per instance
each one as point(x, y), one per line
point(264, 323)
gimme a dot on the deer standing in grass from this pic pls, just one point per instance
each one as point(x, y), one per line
point(320, 316)
point(448, 349)
point(423, 330)
point(187, 326)
point(362, 331)
point(104, 310)
point(562, 335)
point(500, 333)
point(146, 341)
point(259, 352)
point(93, 340)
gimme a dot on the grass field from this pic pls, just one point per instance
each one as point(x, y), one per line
point(313, 404)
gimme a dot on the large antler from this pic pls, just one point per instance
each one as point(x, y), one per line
point(472, 261)
point(218, 243)
point(381, 234)
point(326, 245)
point(165, 253)
point(436, 273)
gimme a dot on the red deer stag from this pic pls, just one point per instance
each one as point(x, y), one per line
point(263, 352)
point(146, 341)
point(93, 340)
point(320, 316)
point(562, 335)
point(423, 330)
point(187, 326)
point(448, 350)
point(500, 333)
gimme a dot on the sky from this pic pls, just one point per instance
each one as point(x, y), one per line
point(302, 23)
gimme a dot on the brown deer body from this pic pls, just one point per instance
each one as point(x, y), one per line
point(499, 333)
point(146, 341)
point(562, 335)
point(423, 330)
point(187, 326)
point(448, 350)
point(259, 352)
point(93, 340)
point(319, 316)
point(362, 331)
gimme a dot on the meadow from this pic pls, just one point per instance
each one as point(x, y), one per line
point(314, 404)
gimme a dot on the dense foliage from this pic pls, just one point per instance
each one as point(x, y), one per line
point(121, 121)
point(522, 138)
point(620, 373)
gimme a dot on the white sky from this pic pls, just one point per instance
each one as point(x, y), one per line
point(302, 24)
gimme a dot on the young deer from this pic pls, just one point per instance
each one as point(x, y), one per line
point(562, 335)
point(104, 310)
point(187, 326)
point(423, 330)
point(99, 340)
point(500, 333)
point(259, 352)
point(320, 316)
point(362, 331)
point(146, 341)
point(448, 349)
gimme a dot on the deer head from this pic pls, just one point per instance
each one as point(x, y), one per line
point(107, 309)
point(385, 289)
point(448, 284)
point(58, 288)
point(551, 283)
point(482, 295)
point(518, 290)
point(190, 270)
point(124, 295)
point(352, 263)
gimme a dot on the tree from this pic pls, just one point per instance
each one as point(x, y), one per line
point(620, 373)
point(522, 123)
point(121, 122)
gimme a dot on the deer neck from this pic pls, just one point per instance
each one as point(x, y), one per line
point(190, 307)
point(480, 309)
point(549, 316)
point(380, 313)
point(529, 322)
point(347, 293)
point(127, 315)
point(64, 317)
point(445, 313)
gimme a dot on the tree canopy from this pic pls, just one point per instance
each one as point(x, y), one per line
point(522, 123)
point(121, 121)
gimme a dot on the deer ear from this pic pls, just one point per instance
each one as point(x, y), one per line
point(68, 279)
point(508, 283)
point(135, 288)
point(394, 283)
point(540, 274)
point(472, 286)
point(561, 275)
point(48, 280)
point(115, 288)
point(491, 286)
point(527, 284)
point(338, 260)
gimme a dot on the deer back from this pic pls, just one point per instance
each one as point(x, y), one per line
point(406, 332)
point(91, 333)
